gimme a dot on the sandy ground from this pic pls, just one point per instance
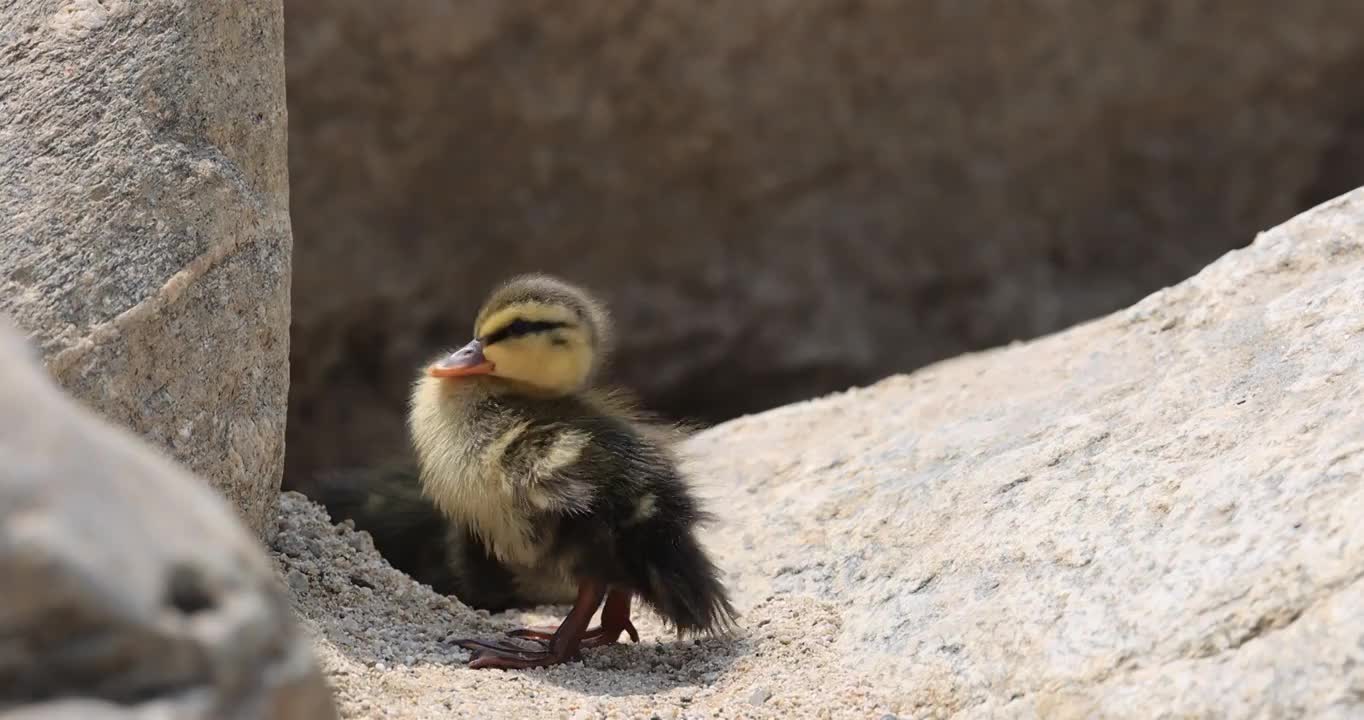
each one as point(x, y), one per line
point(385, 643)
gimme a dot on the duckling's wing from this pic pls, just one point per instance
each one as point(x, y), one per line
point(541, 463)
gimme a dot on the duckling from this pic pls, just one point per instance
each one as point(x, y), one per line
point(386, 500)
point(554, 475)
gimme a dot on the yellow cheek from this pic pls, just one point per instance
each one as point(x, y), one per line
point(538, 362)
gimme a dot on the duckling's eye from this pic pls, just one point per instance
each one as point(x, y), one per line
point(520, 327)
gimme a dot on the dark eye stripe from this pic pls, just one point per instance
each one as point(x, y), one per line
point(519, 327)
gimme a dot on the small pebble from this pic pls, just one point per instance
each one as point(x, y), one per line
point(759, 696)
point(293, 546)
point(297, 580)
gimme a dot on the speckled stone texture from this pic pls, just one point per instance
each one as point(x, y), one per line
point(129, 588)
point(781, 198)
point(144, 231)
point(1154, 515)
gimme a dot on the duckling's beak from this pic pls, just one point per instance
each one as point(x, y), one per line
point(467, 360)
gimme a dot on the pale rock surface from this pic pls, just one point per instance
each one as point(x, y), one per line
point(144, 230)
point(1156, 514)
point(1153, 515)
point(128, 588)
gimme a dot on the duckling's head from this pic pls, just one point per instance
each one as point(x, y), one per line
point(537, 333)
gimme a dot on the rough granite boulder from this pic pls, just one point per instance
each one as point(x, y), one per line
point(781, 199)
point(144, 230)
point(130, 589)
point(1153, 515)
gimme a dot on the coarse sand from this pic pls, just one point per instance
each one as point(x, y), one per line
point(386, 645)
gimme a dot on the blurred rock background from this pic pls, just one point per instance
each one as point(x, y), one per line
point(780, 198)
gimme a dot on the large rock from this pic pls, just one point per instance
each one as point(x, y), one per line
point(1153, 515)
point(144, 229)
point(781, 199)
point(1156, 514)
point(130, 589)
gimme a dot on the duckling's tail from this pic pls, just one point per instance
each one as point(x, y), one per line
point(683, 586)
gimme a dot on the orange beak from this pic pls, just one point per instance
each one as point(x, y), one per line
point(463, 362)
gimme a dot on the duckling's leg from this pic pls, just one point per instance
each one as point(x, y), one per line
point(615, 619)
point(562, 646)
